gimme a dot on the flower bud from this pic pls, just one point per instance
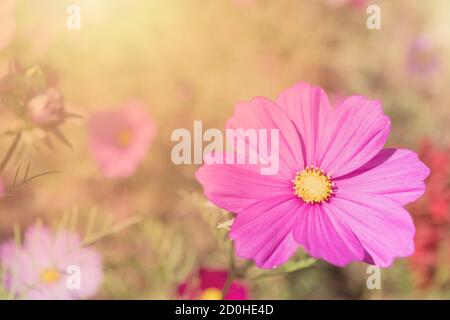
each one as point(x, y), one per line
point(46, 109)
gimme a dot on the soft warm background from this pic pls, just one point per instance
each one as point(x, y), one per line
point(193, 60)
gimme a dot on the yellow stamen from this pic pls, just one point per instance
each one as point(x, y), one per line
point(50, 275)
point(124, 138)
point(211, 294)
point(312, 185)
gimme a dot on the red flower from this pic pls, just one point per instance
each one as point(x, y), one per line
point(432, 214)
point(208, 284)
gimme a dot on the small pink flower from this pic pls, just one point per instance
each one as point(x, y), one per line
point(423, 58)
point(46, 109)
point(42, 268)
point(208, 285)
point(337, 192)
point(119, 140)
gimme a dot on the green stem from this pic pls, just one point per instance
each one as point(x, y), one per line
point(228, 283)
point(302, 265)
point(232, 273)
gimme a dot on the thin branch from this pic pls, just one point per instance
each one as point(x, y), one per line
point(28, 180)
point(232, 273)
point(10, 152)
point(116, 229)
point(228, 283)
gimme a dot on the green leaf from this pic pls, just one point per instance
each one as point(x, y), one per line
point(289, 267)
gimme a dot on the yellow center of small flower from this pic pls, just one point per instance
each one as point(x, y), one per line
point(425, 57)
point(313, 185)
point(124, 138)
point(50, 275)
point(211, 294)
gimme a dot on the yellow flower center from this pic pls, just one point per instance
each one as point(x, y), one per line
point(124, 138)
point(50, 275)
point(313, 185)
point(425, 57)
point(211, 294)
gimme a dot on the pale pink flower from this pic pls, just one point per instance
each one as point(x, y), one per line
point(46, 109)
point(42, 267)
point(338, 193)
point(423, 57)
point(119, 140)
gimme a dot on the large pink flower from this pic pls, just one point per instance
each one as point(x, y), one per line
point(120, 139)
point(43, 266)
point(337, 192)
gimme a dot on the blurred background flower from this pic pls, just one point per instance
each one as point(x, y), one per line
point(41, 267)
point(432, 217)
point(209, 284)
point(193, 60)
point(119, 140)
point(423, 57)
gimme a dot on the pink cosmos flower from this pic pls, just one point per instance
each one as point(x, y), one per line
point(119, 140)
point(337, 192)
point(42, 268)
point(208, 285)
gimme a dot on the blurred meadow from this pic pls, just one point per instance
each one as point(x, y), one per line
point(186, 60)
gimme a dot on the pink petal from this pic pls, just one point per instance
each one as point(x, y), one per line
point(238, 291)
point(263, 232)
point(236, 187)
point(117, 161)
point(91, 272)
point(325, 236)
point(212, 278)
point(309, 109)
point(65, 243)
point(355, 132)
point(216, 279)
point(261, 113)
point(394, 173)
point(384, 228)
point(38, 243)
